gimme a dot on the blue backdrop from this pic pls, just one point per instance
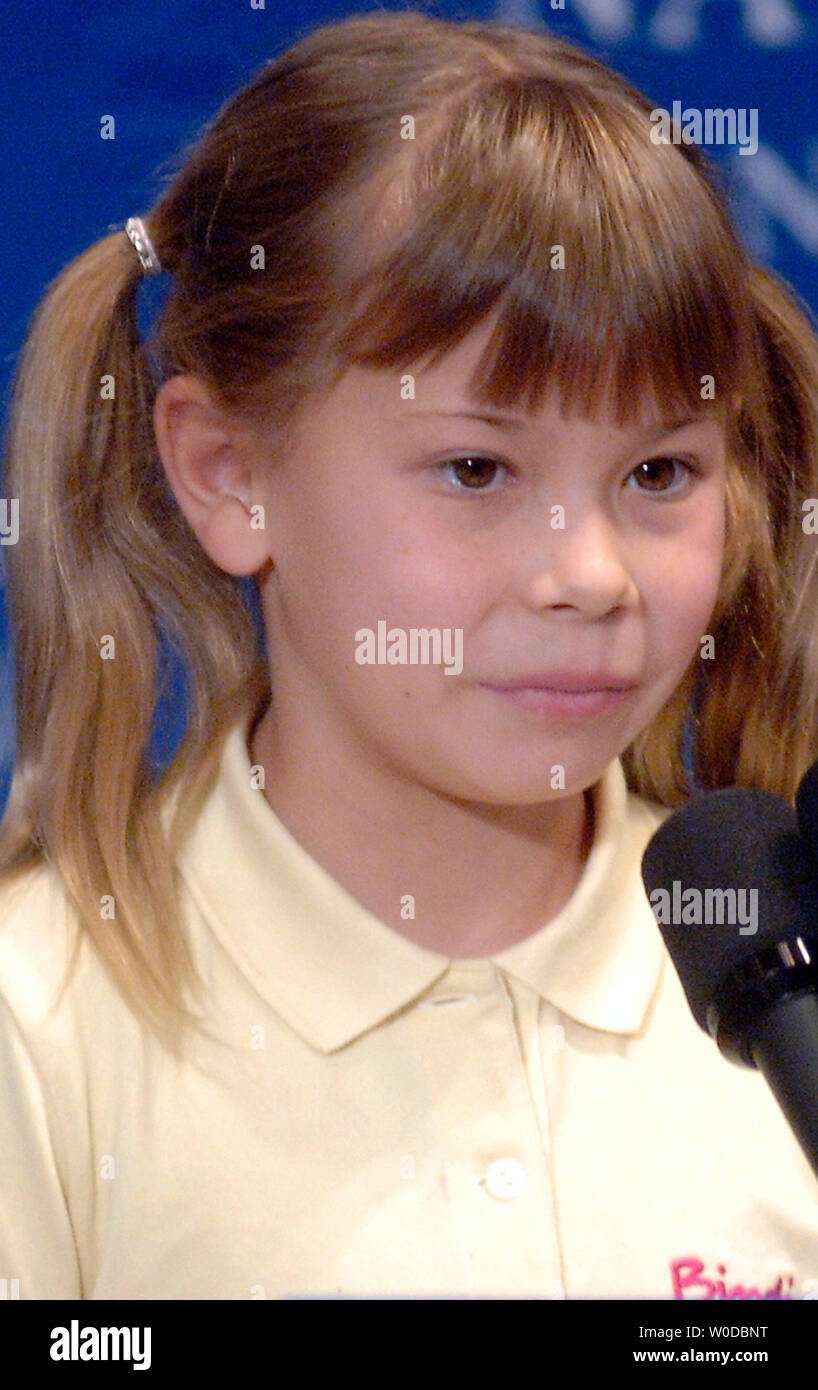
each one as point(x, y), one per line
point(162, 69)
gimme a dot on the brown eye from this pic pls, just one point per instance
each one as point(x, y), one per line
point(473, 473)
point(656, 474)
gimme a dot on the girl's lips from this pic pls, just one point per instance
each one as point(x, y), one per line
point(563, 703)
point(573, 682)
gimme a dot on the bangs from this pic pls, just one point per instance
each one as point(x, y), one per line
point(613, 267)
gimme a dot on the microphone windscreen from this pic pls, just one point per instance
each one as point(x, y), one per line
point(727, 875)
point(806, 806)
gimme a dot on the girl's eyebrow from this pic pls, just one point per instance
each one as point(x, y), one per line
point(670, 426)
point(489, 418)
point(515, 422)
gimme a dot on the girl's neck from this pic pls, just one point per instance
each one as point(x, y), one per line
point(479, 878)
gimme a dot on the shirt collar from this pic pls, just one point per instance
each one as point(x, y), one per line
point(600, 959)
point(333, 970)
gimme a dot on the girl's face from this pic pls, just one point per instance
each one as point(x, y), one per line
point(557, 547)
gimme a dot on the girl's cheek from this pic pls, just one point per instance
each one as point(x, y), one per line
point(701, 610)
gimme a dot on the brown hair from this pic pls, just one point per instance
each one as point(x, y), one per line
point(399, 175)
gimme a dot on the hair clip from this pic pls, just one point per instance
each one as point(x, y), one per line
point(138, 234)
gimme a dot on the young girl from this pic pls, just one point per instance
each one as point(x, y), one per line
point(365, 994)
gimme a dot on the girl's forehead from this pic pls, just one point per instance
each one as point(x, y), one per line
point(442, 394)
point(448, 384)
point(645, 357)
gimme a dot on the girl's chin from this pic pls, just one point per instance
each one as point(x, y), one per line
point(558, 783)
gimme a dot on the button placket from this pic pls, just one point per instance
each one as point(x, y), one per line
point(505, 1179)
point(497, 1185)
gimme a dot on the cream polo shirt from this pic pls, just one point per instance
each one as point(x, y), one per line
point(374, 1118)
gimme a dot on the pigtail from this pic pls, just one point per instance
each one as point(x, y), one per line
point(752, 690)
point(767, 641)
point(103, 553)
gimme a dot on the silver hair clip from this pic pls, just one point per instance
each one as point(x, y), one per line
point(145, 249)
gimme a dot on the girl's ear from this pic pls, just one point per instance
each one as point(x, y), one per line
point(214, 467)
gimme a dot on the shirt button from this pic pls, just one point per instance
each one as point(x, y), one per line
point(506, 1179)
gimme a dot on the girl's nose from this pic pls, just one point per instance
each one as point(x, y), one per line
point(584, 568)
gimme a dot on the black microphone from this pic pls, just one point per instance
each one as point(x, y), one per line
point(735, 894)
point(806, 805)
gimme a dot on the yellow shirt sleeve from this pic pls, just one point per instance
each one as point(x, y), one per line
point(38, 1257)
